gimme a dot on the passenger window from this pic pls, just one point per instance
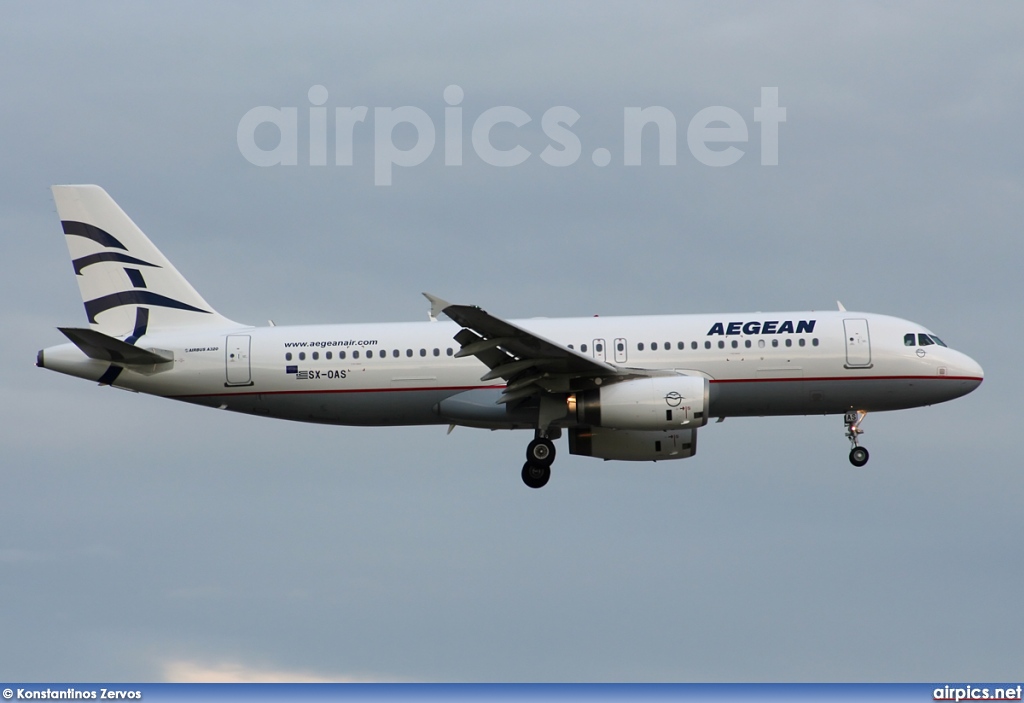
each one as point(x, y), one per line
point(449, 351)
point(803, 342)
point(316, 355)
point(924, 340)
point(814, 341)
point(423, 352)
point(707, 345)
point(302, 356)
point(341, 355)
point(789, 342)
point(571, 346)
point(747, 344)
point(760, 344)
point(735, 344)
point(355, 354)
point(395, 353)
point(583, 347)
point(721, 344)
point(640, 346)
point(288, 356)
point(328, 356)
point(693, 345)
point(599, 348)
point(680, 345)
point(408, 352)
point(908, 339)
point(654, 346)
point(620, 347)
point(437, 352)
point(668, 345)
point(369, 353)
point(775, 342)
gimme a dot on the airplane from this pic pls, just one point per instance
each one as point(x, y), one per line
point(632, 388)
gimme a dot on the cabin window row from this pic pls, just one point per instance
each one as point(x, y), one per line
point(369, 354)
point(667, 346)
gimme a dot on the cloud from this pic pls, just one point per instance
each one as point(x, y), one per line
point(190, 671)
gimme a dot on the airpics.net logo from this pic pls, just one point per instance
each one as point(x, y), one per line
point(714, 135)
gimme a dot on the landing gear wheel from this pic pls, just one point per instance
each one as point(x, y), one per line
point(541, 451)
point(852, 420)
point(536, 475)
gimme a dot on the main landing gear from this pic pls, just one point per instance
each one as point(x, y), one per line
point(539, 455)
point(858, 454)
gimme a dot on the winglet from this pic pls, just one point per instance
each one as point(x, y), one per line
point(437, 306)
point(840, 304)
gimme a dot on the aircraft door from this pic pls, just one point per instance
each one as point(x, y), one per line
point(236, 360)
point(600, 350)
point(620, 351)
point(858, 344)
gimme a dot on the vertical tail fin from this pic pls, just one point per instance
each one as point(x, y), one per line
point(127, 285)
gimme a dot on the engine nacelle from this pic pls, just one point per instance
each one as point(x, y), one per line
point(632, 445)
point(656, 403)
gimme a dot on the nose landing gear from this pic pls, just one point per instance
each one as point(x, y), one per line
point(858, 454)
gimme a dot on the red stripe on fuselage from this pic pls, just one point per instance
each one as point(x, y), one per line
point(338, 390)
point(793, 379)
point(846, 378)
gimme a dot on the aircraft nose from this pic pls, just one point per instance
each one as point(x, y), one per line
point(971, 371)
point(973, 368)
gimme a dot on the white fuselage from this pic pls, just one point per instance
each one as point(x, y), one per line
point(399, 373)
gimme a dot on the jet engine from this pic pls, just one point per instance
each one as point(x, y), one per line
point(655, 403)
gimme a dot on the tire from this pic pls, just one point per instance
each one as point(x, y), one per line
point(859, 456)
point(541, 451)
point(536, 475)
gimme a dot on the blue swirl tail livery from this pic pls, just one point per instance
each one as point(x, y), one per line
point(121, 272)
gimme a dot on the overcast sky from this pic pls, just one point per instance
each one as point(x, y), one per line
point(142, 539)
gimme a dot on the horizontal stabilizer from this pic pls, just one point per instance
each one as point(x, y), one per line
point(102, 347)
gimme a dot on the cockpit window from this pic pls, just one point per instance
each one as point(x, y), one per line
point(939, 341)
point(924, 340)
point(908, 339)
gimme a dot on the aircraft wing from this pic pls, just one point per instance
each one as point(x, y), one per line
point(529, 363)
